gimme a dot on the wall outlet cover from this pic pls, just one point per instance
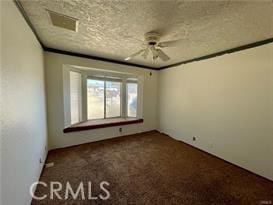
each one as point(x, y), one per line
point(50, 164)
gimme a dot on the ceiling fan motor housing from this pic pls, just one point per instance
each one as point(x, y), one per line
point(153, 47)
point(152, 38)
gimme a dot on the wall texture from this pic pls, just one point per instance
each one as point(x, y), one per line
point(227, 103)
point(55, 104)
point(23, 116)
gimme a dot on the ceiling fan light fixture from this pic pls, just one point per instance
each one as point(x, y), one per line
point(154, 46)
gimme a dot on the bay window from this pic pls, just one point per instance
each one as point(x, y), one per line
point(97, 96)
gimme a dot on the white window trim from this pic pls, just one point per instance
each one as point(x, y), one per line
point(80, 98)
point(92, 74)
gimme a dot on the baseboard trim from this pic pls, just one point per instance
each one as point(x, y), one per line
point(251, 172)
point(44, 163)
point(154, 130)
point(42, 168)
point(110, 138)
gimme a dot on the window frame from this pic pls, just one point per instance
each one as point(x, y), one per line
point(105, 80)
point(92, 73)
point(80, 97)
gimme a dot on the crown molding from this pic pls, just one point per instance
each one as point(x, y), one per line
point(53, 50)
point(228, 51)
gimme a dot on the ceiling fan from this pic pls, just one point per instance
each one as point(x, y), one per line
point(153, 46)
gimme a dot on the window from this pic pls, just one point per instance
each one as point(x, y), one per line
point(75, 97)
point(113, 99)
point(103, 99)
point(131, 99)
point(94, 95)
point(95, 99)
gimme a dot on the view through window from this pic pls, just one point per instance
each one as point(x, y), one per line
point(131, 99)
point(105, 97)
point(95, 99)
point(113, 99)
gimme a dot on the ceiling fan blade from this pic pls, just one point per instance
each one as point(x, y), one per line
point(162, 55)
point(145, 54)
point(135, 54)
point(170, 43)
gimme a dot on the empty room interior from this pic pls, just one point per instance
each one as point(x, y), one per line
point(136, 102)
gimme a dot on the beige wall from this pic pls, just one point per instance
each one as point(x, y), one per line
point(227, 103)
point(54, 81)
point(23, 119)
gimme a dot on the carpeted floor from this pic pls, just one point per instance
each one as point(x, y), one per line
point(150, 168)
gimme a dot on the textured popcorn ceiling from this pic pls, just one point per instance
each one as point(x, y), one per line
point(113, 29)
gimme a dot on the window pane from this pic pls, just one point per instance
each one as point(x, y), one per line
point(95, 99)
point(131, 99)
point(113, 99)
point(75, 97)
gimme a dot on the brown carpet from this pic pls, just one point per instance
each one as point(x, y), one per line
point(152, 168)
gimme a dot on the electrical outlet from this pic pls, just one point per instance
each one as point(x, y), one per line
point(193, 138)
point(50, 164)
point(151, 73)
point(120, 129)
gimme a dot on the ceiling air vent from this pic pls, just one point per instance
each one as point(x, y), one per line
point(63, 21)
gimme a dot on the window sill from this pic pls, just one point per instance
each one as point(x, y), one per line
point(95, 124)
